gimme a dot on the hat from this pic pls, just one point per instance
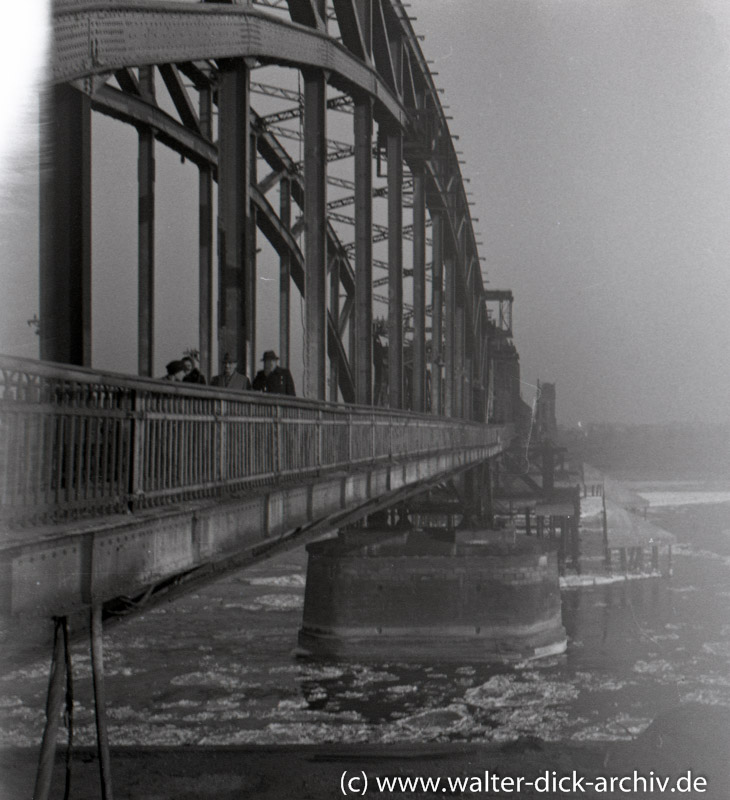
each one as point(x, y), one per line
point(229, 359)
point(270, 354)
point(174, 367)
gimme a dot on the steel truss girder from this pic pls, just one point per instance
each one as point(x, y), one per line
point(87, 42)
point(87, 36)
point(88, 47)
point(138, 112)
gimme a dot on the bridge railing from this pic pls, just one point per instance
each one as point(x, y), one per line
point(76, 442)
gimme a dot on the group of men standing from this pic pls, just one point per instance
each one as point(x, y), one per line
point(272, 378)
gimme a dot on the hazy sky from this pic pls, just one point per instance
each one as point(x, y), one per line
point(596, 135)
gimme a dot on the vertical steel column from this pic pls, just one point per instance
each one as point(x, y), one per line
point(437, 299)
point(483, 370)
point(315, 241)
point(364, 10)
point(459, 325)
point(233, 209)
point(363, 317)
point(458, 357)
point(251, 278)
point(284, 273)
point(334, 379)
point(65, 227)
point(205, 242)
point(449, 332)
point(146, 234)
point(419, 288)
point(395, 268)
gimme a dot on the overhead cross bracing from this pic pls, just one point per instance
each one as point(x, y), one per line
point(397, 111)
point(163, 475)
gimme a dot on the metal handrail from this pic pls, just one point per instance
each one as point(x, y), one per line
point(79, 442)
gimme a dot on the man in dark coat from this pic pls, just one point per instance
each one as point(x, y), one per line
point(229, 378)
point(273, 378)
point(192, 373)
point(175, 371)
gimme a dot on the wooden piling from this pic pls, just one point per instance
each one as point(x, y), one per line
point(53, 713)
point(97, 666)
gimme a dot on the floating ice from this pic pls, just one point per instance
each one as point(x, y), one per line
point(279, 580)
point(621, 727)
point(272, 602)
point(686, 498)
point(531, 690)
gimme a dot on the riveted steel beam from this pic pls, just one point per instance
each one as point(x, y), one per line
point(87, 42)
point(146, 234)
point(449, 329)
point(65, 228)
point(395, 269)
point(205, 239)
point(284, 274)
point(418, 382)
point(437, 295)
point(363, 357)
point(315, 254)
point(233, 210)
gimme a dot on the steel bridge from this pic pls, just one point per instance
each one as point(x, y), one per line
point(112, 484)
point(93, 462)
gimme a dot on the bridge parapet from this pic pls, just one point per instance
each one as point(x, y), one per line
point(80, 443)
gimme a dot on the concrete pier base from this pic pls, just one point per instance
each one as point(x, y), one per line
point(417, 597)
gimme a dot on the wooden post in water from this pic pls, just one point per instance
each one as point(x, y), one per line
point(53, 714)
point(97, 667)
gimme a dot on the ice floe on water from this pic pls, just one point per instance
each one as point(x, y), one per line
point(717, 648)
point(600, 682)
point(688, 550)
point(296, 580)
point(527, 689)
point(219, 671)
point(213, 678)
point(271, 602)
point(452, 721)
point(584, 581)
point(319, 671)
point(708, 696)
point(663, 499)
point(621, 727)
point(401, 690)
point(659, 669)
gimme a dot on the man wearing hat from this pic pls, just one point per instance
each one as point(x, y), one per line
point(229, 378)
point(273, 378)
point(175, 371)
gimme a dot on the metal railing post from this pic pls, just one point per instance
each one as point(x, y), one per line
point(277, 443)
point(349, 437)
point(319, 440)
point(222, 444)
point(138, 440)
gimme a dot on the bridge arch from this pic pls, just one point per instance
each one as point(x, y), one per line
point(205, 54)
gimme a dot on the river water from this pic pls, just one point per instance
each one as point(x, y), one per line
point(219, 667)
